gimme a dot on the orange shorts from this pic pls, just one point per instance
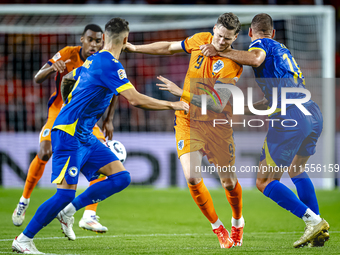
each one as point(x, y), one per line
point(216, 143)
point(45, 134)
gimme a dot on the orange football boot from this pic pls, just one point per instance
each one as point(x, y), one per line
point(223, 237)
point(237, 235)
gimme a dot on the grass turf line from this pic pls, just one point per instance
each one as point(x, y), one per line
point(144, 220)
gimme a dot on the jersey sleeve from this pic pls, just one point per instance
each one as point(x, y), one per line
point(191, 43)
point(115, 78)
point(76, 72)
point(63, 54)
point(257, 45)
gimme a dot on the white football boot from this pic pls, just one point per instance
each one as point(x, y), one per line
point(92, 223)
point(26, 247)
point(18, 215)
point(66, 225)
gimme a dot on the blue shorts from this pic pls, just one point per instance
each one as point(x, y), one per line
point(71, 156)
point(283, 143)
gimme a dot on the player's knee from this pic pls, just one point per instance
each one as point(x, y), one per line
point(194, 181)
point(121, 181)
point(261, 184)
point(45, 154)
point(229, 183)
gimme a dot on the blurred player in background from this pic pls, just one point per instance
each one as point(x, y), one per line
point(283, 146)
point(195, 134)
point(63, 62)
point(75, 148)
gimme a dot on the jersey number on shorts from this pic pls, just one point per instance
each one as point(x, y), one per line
point(199, 61)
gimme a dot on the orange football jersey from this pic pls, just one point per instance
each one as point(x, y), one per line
point(203, 72)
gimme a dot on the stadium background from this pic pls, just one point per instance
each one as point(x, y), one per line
point(26, 43)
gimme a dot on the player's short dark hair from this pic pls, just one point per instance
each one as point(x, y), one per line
point(230, 21)
point(262, 23)
point(116, 26)
point(93, 27)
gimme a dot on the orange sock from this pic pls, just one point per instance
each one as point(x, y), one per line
point(34, 174)
point(235, 200)
point(201, 195)
point(93, 207)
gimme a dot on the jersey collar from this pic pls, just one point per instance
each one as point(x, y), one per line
point(81, 57)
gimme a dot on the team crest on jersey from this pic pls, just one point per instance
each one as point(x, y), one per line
point(218, 66)
point(45, 132)
point(121, 74)
point(180, 144)
point(56, 56)
point(73, 171)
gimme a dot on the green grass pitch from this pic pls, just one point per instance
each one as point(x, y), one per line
point(143, 220)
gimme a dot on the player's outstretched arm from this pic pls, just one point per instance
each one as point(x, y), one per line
point(252, 58)
point(66, 86)
point(224, 94)
point(259, 105)
point(47, 70)
point(148, 103)
point(157, 48)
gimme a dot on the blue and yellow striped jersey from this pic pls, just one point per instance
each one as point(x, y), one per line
point(279, 69)
point(100, 77)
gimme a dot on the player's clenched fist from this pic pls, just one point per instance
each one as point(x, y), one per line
point(180, 106)
point(129, 47)
point(208, 50)
point(60, 65)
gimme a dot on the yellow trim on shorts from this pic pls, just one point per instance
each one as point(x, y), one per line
point(126, 86)
point(269, 159)
point(70, 128)
point(256, 48)
point(61, 176)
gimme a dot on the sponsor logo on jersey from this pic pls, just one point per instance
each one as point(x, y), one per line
point(56, 56)
point(121, 74)
point(180, 144)
point(218, 66)
point(45, 132)
point(73, 171)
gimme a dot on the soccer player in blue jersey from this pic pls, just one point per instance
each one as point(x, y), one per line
point(74, 146)
point(275, 67)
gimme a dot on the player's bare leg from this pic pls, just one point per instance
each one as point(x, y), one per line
point(191, 162)
point(268, 183)
point(34, 174)
point(298, 167)
point(233, 192)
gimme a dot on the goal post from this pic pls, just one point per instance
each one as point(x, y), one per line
point(315, 23)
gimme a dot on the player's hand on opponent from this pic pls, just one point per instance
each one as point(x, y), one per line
point(129, 47)
point(180, 106)
point(108, 129)
point(169, 86)
point(208, 50)
point(60, 65)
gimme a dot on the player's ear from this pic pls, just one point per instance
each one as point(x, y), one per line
point(125, 40)
point(214, 28)
point(82, 39)
point(250, 32)
point(273, 33)
point(103, 37)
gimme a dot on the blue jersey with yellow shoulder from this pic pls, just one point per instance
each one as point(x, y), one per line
point(279, 69)
point(100, 77)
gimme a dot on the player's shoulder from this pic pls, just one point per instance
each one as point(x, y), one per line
point(203, 37)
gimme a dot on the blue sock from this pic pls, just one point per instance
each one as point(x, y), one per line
point(48, 211)
point(306, 191)
point(103, 189)
point(285, 198)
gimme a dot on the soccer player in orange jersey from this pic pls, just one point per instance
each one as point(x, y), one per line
point(63, 62)
point(195, 134)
